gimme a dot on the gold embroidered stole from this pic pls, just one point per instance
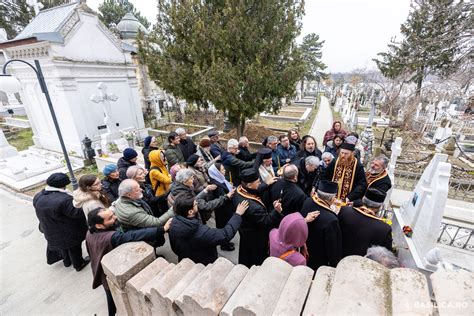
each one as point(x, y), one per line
point(371, 178)
point(321, 202)
point(344, 176)
point(365, 211)
point(247, 195)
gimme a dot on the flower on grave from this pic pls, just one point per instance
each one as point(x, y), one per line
point(129, 135)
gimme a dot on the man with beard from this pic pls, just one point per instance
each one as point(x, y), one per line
point(257, 220)
point(377, 176)
point(216, 147)
point(103, 237)
point(324, 235)
point(348, 173)
point(244, 152)
point(361, 228)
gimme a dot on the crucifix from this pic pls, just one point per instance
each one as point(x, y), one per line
point(104, 98)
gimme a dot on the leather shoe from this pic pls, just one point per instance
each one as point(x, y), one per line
point(84, 263)
point(228, 247)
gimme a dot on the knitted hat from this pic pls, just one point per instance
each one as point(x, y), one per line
point(58, 180)
point(108, 169)
point(249, 175)
point(191, 161)
point(327, 186)
point(205, 143)
point(129, 153)
point(147, 141)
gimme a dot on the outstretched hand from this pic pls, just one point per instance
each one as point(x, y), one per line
point(167, 225)
point(277, 206)
point(311, 216)
point(242, 207)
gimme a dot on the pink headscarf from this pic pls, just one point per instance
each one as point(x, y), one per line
point(291, 234)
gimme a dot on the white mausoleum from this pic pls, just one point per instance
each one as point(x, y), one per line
point(76, 52)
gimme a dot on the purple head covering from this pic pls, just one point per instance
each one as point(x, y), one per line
point(291, 234)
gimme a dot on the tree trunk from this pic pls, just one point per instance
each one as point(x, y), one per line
point(302, 87)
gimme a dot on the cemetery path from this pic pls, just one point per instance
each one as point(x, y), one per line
point(322, 122)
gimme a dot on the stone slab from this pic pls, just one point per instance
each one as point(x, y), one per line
point(122, 263)
point(316, 302)
point(144, 293)
point(120, 299)
point(135, 284)
point(294, 293)
point(454, 292)
point(241, 289)
point(410, 292)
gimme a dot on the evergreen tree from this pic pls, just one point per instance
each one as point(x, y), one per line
point(312, 54)
point(238, 55)
point(53, 3)
point(14, 18)
point(434, 37)
point(112, 11)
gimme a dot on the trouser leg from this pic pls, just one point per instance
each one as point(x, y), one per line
point(75, 253)
point(66, 258)
point(110, 303)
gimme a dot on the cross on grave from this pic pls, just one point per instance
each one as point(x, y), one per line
point(104, 98)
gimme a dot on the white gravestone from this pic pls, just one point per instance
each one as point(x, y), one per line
point(104, 99)
point(6, 150)
point(396, 152)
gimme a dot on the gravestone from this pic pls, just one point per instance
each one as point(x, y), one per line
point(6, 150)
point(396, 152)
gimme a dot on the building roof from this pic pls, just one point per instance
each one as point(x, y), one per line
point(48, 22)
point(129, 26)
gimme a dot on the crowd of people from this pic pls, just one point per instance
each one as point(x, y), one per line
point(288, 199)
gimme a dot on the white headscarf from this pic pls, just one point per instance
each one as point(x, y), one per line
point(219, 177)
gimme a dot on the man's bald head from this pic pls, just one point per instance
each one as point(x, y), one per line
point(290, 173)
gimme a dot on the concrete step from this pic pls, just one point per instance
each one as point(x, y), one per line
point(410, 293)
point(454, 292)
point(144, 294)
point(136, 283)
point(243, 287)
point(318, 296)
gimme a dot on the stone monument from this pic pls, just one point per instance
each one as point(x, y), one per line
point(6, 150)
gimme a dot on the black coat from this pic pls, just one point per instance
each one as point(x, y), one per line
point(324, 237)
point(383, 184)
point(234, 166)
point(63, 225)
point(187, 146)
point(360, 231)
point(110, 188)
point(256, 225)
point(307, 180)
point(245, 155)
point(224, 212)
point(123, 166)
point(303, 154)
point(146, 152)
point(291, 195)
point(189, 238)
point(360, 183)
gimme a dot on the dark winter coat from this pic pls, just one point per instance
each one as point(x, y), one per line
point(361, 230)
point(359, 185)
point(122, 166)
point(245, 154)
point(302, 154)
point(291, 195)
point(256, 225)
point(383, 184)
point(286, 153)
point(173, 155)
point(216, 149)
point(110, 188)
point(188, 147)
point(224, 212)
point(324, 237)
point(189, 238)
point(63, 225)
point(234, 167)
point(308, 180)
point(102, 242)
point(146, 152)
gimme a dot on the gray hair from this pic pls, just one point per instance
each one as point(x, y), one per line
point(272, 139)
point(383, 159)
point(326, 196)
point(311, 160)
point(371, 204)
point(383, 256)
point(232, 143)
point(289, 172)
point(183, 175)
point(133, 170)
point(327, 155)
point(243, 139)
point(180, 130)
point(126, 186)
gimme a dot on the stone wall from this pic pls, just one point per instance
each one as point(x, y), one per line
point(143, 285)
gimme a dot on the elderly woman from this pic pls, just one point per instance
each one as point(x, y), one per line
point(157, 203)
point(201, 179)
point(326, 159)
point(288, 242)
point(206, 205)
point(89, 195)
point(111, 182)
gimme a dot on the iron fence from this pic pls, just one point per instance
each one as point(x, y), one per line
point(456, 236)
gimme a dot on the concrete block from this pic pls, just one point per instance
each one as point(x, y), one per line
point(126, 260)
point(294, 293)
point(360, 287)
point(159, 287)
point(133, 286)
point(318, 296)
point(212, 288)
point(242, 288)
point(454, 292)
point(410, 292)
point(263, 294)
point(120, 299)
point(144, 293)
point(177, 290)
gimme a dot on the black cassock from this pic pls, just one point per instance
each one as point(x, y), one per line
point(256, 225)
point(359, 185)
point(361, 230)
point(291, 195)
point(324, 237)
point(383, 184)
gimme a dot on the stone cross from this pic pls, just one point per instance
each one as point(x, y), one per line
point(104, 98)
point(396, 151)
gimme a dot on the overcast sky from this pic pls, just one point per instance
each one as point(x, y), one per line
point(354, 30)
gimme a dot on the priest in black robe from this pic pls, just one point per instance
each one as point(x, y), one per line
point(377, 176)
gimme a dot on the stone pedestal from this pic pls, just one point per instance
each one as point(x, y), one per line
point(6, 150)
point(396, 150)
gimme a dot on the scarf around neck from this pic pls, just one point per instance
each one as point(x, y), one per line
point(219, 177)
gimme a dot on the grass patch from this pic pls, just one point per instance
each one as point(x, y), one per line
point(304, 129)
point(22, 139)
